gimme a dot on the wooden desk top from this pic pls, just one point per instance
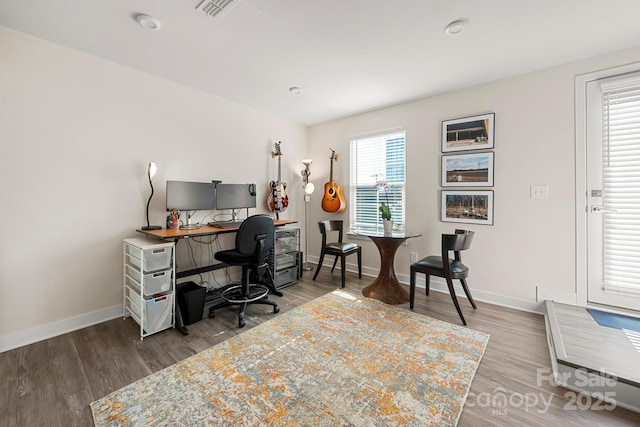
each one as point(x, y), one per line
point(205, 230)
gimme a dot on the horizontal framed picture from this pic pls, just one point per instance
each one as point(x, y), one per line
point(467, 206)
point(467, 170)
point(468, 133)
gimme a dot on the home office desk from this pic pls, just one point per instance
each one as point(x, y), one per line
point(386, 287)
point(205, 230)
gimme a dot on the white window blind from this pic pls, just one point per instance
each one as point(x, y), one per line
point(375, 158)
point(621, 185)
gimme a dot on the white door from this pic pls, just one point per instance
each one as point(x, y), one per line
point(613, 191)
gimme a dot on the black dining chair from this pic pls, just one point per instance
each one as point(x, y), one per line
point(338, 248)
point(254, 241)
point(445, 266)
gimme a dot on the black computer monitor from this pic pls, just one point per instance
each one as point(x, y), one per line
point(235, 196)
point(190, 196)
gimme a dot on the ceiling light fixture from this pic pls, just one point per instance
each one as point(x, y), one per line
point(295, 90)
point(456, 27)
point(147, 21)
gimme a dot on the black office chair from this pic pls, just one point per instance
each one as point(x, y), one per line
point(444, 266)
point(254, 240)
point(339, 249)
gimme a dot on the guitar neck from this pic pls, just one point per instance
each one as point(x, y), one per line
point(331, 170)
point(279, 169)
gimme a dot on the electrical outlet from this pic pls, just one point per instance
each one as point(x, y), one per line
point(414, 256)
point(539, 191)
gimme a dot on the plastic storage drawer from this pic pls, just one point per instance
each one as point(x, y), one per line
point(284, 277)
point(154, 283)
point(158, 313)
point(154, 259)
point(284, 261)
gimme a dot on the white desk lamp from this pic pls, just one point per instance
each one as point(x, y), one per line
point(308, 188)
point(151, 172)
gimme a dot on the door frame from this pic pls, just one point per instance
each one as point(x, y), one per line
point(581, 206)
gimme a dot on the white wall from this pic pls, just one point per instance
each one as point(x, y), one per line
point(77, 133)
point(532, 243)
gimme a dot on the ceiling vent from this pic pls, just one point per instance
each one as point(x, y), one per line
point(213, 7)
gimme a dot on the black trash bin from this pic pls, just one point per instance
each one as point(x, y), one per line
point(191, 298)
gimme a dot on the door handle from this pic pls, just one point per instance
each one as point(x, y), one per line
point(600, 209)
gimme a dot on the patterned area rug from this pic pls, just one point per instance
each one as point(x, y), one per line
point(339, 360)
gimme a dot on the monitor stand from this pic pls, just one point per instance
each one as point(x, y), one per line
point(188, 225)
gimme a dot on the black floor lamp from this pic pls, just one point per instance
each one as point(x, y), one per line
point(308, 189)
point(151, 172)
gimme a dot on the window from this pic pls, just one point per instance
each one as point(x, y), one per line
point(376, 160)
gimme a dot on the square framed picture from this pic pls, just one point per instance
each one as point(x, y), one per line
point(467, 170)
point(468, 133)
point(467, 206)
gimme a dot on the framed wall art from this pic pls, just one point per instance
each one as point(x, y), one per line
point(467, 170)
point(468, 133)
point(467, 206)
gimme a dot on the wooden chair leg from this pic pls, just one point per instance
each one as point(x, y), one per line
point(412, 287)
point(335, 261)
point(343, 265)
point(466, 291)
point(319, 265)
point(426, 284)
point(360, 264)
point(455, 299)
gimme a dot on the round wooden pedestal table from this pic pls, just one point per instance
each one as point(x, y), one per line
point(386, 287)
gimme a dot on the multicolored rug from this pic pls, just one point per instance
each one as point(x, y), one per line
point(339, 360)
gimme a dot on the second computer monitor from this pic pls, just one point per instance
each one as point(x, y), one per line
point(190, 196)
point(235, 196)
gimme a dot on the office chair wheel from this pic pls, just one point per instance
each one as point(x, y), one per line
point(276, 309)
point(241, 323)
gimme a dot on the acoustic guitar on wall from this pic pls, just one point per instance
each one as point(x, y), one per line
point(333, 200)
point(277, 200)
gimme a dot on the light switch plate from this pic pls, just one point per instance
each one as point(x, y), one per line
point(539, 191)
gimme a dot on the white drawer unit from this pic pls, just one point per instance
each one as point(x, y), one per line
point(149, 284)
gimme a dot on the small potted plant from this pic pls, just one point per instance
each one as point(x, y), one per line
point(385, 210)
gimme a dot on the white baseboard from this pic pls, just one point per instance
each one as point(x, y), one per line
point(438, 284)
point(39, 333)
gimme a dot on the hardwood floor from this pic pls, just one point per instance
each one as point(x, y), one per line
point(51, 383)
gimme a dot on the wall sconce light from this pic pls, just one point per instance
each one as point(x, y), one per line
point(308, 188)
point(151, 172)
